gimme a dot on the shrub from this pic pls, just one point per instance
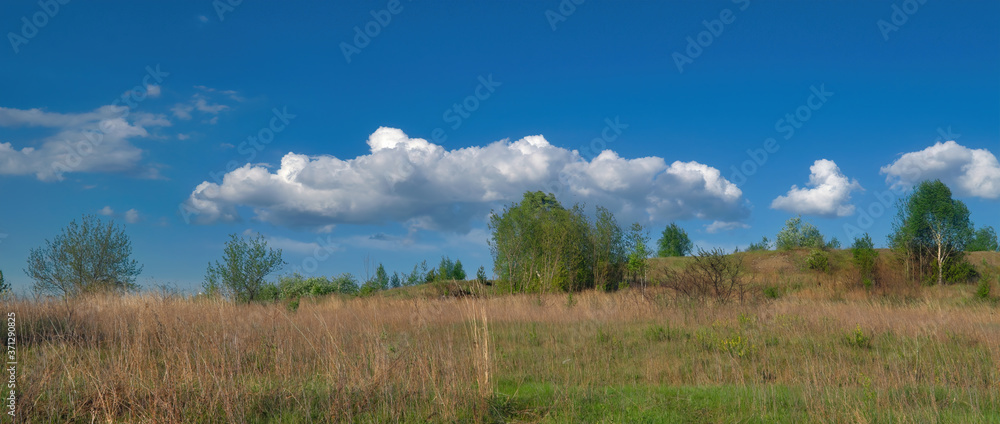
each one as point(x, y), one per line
point(798, 234)
point(481, 275)
point(656, 333)
point(818, 261)
point(712, 274)
point(858, 339)
point(762, 245)
point(983, 291)
point(295, 286)
point(958, 270)
point(292, 305)
point(772, 292)
point(268, 293)
point(983, 240)
point(864, 255)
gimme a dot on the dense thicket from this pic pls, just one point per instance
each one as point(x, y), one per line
point(931, 231)
point(540, 246)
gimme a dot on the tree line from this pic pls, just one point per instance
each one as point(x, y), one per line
point(94, 256)
point(538, 245)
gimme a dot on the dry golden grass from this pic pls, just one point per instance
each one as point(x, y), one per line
point(825, 351)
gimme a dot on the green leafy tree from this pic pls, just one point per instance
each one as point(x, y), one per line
point(458, 272)
point(984, 240)
point(377, 283)
point(763, 245)
point(638, 239)
point(89, 256)
point(415, 276)
point(540, 246)
point(346, 284)
point(4, 287)
point(481, 275)
point(607, 254)
point(865, 256)
point(798, 234)
point(381, 278)
point(674, 242)
point(245, 263)
point(931, 227)
point(446, 269)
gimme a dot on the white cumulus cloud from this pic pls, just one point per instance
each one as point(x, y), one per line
point(423, 185)
point(719, 226)
point(131, 216)
point(95, 141)
point(970, 172)
point(828, 193)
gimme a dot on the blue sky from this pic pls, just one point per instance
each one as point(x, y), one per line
point(397, 150)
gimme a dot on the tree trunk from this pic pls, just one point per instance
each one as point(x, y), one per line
point(940, 264)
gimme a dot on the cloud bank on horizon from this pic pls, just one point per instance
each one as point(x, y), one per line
point(413, 181)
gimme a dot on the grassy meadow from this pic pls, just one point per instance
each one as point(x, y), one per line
point(810, 347)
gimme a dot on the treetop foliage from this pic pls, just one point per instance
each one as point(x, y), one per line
point(799, 234)
point(246, 262)
point(87, 256)
point(674, 242)
point(931, 228)
point(538, 245)
point(983, 240)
